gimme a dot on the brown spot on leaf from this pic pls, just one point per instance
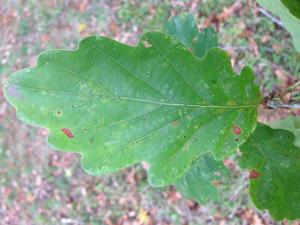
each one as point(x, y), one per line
point(174, 123)
point(254, 174)
point(67, 132)
point(236, 130)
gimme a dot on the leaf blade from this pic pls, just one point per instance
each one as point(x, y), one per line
point(128, 104)
point(196, 183)
point(293, 6)
point(291, 124)
point(274, 162)
point(184, 28)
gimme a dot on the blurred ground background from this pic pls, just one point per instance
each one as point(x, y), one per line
point(42, 186)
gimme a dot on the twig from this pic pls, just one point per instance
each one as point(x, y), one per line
point(236, 48)
point(291, 88)
point(239, 189)
point(277, 104)
point(267, 14)
point(70, 221)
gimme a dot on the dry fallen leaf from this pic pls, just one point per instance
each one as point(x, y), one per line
point(81, 27)
point(143, 217)
point(227, 12)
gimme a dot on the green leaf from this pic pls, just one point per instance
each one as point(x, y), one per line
point(117, 105)
point(275, 164)
point(291, 124)
point(197, 181)
point(184, 28)
point(293, 6)
point(291, 23)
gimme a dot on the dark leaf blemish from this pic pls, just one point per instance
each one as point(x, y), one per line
point(254, 174)
point(67, 132)
point(236, 130)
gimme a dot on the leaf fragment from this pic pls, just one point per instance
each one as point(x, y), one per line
point(197, 182)
point(184, 28)
point(292, 124)
point(290, 22)
point(293, 6)
point(274, 162)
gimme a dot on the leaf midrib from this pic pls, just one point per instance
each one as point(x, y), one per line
point(139, 100)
